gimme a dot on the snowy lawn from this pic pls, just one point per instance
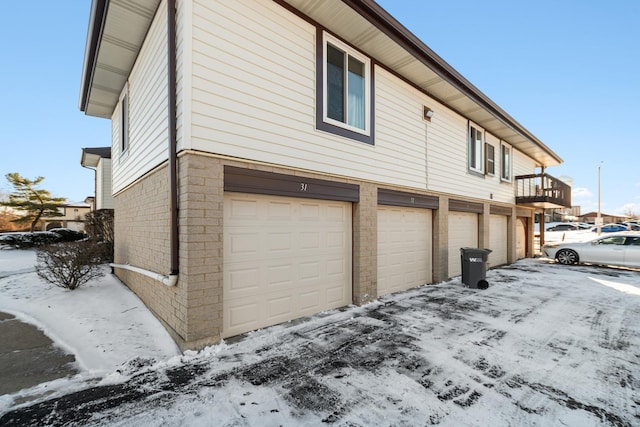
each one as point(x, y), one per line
point(545, 345)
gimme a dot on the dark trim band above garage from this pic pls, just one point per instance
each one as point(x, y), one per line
point(500, 210)
point(410, 200)
point(527, 213)
point(260, 182)
point(465, 206)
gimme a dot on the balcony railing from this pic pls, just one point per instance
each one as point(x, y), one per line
point(542, 191)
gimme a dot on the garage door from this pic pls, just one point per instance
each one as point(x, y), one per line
point(404, 248)
point(284, 258)
point(497, 240)
point(521, 239)
point(463, 232)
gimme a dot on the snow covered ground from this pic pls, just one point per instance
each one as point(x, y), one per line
point(545, 345)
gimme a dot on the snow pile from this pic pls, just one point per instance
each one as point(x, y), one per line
point(545, 345)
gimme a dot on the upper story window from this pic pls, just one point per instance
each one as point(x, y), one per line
point(476, 149)
point(345, 91)
point(505, 162)
point(124, 123)
point(490, 159)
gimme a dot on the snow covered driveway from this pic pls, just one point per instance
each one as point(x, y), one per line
point(544, 345)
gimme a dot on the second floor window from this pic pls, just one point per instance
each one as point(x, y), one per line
point(124, 124)
point(505, 164)
point(476, 145)
point(490, 167)
point(346, 94)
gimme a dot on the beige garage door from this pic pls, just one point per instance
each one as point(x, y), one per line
point(404, 248)
point(463, 232)
point(284, 258)
point(497, 240)
point(521, 239)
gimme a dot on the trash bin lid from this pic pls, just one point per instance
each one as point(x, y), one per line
point(470, 251)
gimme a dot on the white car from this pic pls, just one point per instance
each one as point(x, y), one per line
point(621, 249)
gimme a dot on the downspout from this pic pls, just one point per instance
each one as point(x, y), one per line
point(173, 141)
point(172, 278)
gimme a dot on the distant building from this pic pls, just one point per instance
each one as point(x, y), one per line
point(99, 159)
point(72, 217)
point(606, 218)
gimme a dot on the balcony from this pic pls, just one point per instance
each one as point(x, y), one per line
point(542, 191)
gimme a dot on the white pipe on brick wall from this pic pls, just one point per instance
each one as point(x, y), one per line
point(168, 280)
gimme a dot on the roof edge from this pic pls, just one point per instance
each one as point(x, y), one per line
point(377, 15)
point(94, 34)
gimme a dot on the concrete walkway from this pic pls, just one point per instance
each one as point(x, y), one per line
point(28, 357)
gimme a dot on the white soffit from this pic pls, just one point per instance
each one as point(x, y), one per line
point(340, 18)
point(125, 26)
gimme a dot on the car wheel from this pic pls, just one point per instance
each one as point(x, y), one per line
point(567, 256)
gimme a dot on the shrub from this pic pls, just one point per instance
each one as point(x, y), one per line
point(99, 227)
point(70, 265)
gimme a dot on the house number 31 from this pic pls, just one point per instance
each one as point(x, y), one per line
point(303, 186)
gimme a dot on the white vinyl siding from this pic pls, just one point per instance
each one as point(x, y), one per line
point(147, 93)
point(497, 240)
point(104, 197)
point(284, 258)
point(463, 233)
point(246, 89)
point(260, 104)
point(404, 248)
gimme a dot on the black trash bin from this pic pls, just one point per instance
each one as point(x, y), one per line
point(474, 267)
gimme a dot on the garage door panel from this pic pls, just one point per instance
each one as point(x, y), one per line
point(291, 257)
point(463, 232)
point(498, 240)
point(521, 239)
point(404, 248)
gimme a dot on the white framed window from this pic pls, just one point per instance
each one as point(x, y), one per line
point(124, 122)
point(476, 149)
point(505, 162)
point(490, 159)
point(346, 90)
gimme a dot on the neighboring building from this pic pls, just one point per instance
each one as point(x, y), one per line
point(274, 159)
point(99, 160)
point(590, 218)
point(72, 216)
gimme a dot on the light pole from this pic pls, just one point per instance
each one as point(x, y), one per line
point(599, 218)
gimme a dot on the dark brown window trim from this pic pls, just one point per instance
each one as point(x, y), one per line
point(411, 200)
point(465, 206)
point(253, 181)
point(320, 123)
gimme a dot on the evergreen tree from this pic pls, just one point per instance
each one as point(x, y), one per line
point(35, 202)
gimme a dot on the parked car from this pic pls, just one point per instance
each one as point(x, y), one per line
point(28, 240)
point(564, 227)
point(611, 228)
point(633, 226)
point(621, 249)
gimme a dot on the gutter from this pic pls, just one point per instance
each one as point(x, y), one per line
point(94, 32)
point(375, 14)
